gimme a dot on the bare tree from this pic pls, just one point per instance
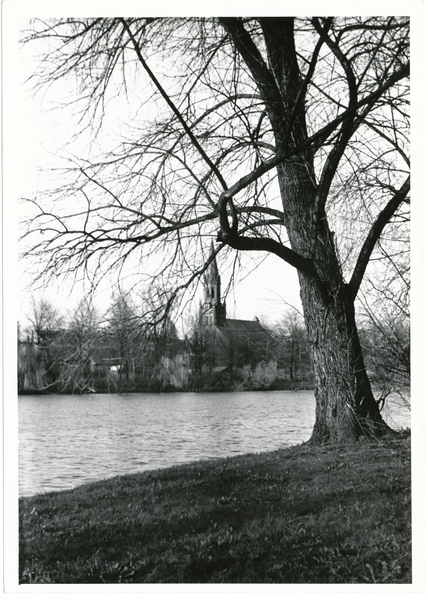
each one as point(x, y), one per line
point(44, 316)
point(78, 348)
point(386, 342)
point(287, 136)
point(292, 345)
point(38, 364)
point(122, 335)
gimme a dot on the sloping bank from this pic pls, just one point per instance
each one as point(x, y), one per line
point(303, 514)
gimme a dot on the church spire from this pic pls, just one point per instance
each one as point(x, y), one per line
point(214, 267)
point(213, 311)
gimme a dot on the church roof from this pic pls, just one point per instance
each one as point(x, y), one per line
point(242, 326)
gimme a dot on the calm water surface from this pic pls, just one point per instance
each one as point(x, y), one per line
point(65, 441)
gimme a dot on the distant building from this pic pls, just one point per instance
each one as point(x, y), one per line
point(229, 343)
point(243, 352)
point(213, 310)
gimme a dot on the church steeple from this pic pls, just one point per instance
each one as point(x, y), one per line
point(213, 312)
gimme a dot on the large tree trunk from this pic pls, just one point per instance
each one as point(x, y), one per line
point(345, 405)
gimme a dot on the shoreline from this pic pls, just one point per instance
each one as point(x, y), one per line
point(277, 386)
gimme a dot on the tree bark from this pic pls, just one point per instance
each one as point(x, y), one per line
point(345, 405)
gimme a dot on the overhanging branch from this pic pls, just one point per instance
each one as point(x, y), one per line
point(374, 235)
point(264, 244)
point(318, 138)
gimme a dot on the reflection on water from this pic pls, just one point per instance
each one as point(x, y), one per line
point(65, 441)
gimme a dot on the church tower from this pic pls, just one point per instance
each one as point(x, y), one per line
point(213, 311)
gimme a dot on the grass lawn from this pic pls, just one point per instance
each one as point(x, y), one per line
point(306, 514)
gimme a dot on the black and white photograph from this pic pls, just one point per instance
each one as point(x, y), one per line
point(210, 286)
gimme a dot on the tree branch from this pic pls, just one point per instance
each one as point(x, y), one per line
point(172, 106)
point(335, 155)
point(311, 68)
point(374, 235)
point(250, 53)
point(318, 138)
point(231, 237)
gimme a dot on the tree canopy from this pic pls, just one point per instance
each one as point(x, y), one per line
point(202, 144)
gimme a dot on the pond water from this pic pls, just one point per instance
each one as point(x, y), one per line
point(65, 441)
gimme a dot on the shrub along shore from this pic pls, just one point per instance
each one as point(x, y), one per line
point(304, 514)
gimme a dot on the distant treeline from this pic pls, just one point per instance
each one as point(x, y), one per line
point(125, 354)
point(73, 361)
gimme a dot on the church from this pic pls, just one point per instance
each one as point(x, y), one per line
point(213, 316)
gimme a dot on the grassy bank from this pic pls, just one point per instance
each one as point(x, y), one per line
point(304, 514)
